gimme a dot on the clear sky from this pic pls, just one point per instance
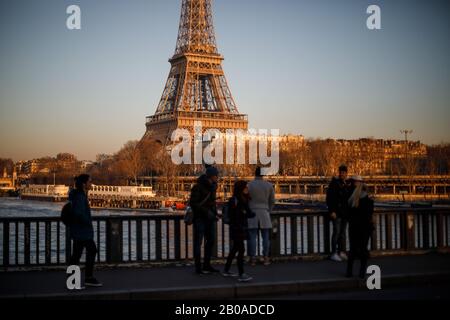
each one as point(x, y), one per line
point(304, 66)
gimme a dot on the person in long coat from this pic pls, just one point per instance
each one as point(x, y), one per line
point(262, 200)
point(361, 226)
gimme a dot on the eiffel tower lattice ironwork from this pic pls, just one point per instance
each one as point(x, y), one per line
point(196, 89)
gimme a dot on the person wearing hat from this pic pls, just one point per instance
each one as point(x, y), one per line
point(203, 203)
point(337, 196)
point(361, 226)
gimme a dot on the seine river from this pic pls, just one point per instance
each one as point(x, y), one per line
point(14, 207)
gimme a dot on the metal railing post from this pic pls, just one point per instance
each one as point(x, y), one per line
point(68, 245)
point(139, 255)
point(425, 230)
point(310, 228)
point(26, 242)
point(5, 244)
point(326, 234)
point(294, 235)
point(48, 241)
point(275, 237)
point(114, 240)
point(410, 240)
point(440, 229)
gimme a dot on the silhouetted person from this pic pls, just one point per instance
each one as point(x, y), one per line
point(203, 204)
point(360, 226)
point(262, 200)
point(337, 202)
point(81, 229)
point(238, 212)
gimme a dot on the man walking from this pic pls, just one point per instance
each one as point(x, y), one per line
point(81, 229)
point(203, 204)
point(337, 201)
point(262, 200)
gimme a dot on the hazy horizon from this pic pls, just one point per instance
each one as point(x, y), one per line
point(305, 67)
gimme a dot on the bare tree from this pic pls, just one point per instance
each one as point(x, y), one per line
point(130, 161)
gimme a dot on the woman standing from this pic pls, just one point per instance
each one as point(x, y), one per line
point(360, 226)
point(238, 212)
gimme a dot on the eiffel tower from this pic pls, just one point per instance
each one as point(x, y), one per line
point(196, 89)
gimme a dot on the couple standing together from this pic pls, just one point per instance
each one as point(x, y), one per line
point(349, 204)
point(249, 211)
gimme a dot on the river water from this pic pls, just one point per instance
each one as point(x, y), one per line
point(15, 207)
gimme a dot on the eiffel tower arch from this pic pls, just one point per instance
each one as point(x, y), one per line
point(196, 88)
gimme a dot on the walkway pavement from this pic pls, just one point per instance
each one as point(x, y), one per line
point(279, 279)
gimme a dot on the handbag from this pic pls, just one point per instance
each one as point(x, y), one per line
point(189, 216)
point(189, 213)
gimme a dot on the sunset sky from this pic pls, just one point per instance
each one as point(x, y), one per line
point(309, 67)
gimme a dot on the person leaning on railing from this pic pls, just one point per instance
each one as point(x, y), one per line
point(203, 203)
point(82, 230)
point(262, 201)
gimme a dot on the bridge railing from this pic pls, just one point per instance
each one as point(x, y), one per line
point(155, 238)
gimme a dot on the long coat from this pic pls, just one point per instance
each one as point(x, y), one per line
point(203, 199)
point(361, 228)
point(261, 203)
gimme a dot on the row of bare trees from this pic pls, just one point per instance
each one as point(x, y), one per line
point(366, 157)
point(315, 157)
point(133, 160)
point(308, 158)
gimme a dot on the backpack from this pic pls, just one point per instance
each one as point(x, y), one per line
point(67, 214)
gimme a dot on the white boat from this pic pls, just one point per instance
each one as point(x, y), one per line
point(44, 192)
point(121, 191)
point(60, 192)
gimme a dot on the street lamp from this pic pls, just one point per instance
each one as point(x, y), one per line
point(407, 132)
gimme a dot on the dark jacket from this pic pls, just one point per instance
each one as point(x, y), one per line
point(81, 228)
point(337, 197)
point(361, 218)
point(361, 227)
point(239, 212)
point(203, 199)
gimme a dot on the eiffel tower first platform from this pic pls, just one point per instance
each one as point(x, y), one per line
point(196, 89)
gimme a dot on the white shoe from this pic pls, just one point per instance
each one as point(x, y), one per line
point(336, 257)
point(244, 278)
point(343, 256)
point(229, 274)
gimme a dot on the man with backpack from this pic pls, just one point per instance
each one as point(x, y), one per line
point(81, 228)
point(203, 204)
